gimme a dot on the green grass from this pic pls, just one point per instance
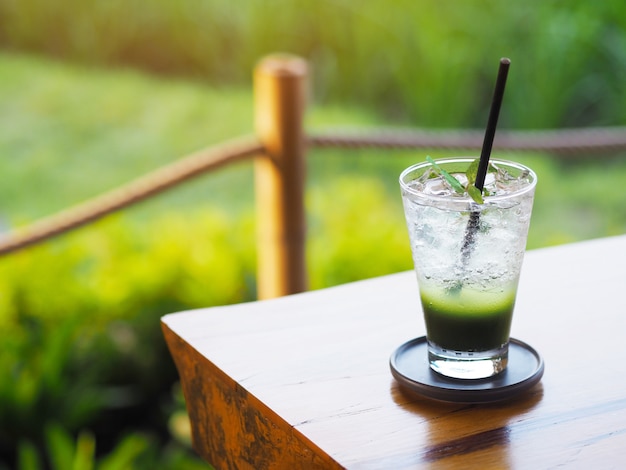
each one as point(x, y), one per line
point(424, 62)
point(68, 133)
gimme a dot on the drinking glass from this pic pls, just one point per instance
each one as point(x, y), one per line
point(467, 259)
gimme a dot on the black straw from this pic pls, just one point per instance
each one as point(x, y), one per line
point(483, 164)
point(492, 123)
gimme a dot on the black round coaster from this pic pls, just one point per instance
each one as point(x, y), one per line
point(409, 366)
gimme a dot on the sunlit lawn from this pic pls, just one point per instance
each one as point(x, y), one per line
point(69, 133)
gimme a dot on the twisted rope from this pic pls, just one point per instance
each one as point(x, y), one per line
point(562, 142)
point(138, 190)
point(565, 142)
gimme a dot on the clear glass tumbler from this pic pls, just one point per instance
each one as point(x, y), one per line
point(467, 258)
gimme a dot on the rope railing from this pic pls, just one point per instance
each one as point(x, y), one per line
point(124, 196)
point(568, 142)
point(562, 142)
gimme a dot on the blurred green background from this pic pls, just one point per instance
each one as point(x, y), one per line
point(96, 93)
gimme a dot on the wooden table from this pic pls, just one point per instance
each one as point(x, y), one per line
point(303, 381)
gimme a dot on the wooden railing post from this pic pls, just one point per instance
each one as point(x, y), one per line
point(280, 95)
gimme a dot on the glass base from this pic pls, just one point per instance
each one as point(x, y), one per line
point(468, 365)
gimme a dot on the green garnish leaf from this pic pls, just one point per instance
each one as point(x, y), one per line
point(475, 193)
point(471, 189)
point(472, 171)
point(452, 181)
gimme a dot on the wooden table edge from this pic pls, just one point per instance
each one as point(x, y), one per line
point(230, 427)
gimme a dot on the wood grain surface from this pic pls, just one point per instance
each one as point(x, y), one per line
point(303, 381)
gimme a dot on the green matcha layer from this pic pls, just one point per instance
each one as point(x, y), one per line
point(467, 319)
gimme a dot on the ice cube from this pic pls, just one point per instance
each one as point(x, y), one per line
point(461, 178)
point(429, 173)
point(506, 183)
point(437, 187)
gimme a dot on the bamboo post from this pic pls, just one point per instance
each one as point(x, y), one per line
point(279, 94)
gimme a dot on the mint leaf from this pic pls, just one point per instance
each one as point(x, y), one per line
point(472, 171)
point(471, 188)
point(452, 181)
point(475, 193)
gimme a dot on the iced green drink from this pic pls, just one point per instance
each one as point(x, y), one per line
point(467, 257)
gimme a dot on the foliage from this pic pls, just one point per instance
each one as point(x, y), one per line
point(348, 244)
point(68, 133)
point(62, 452)
point(84, 374)
point(72, 133)
point(425, 62)
point(52, 148)
point(82, 344)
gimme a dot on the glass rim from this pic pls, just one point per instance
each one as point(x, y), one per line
point(465, 199)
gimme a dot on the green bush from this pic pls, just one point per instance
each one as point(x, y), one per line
point(422, 62)
point(356, 231)
point(82, 344)
point(62, 451)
